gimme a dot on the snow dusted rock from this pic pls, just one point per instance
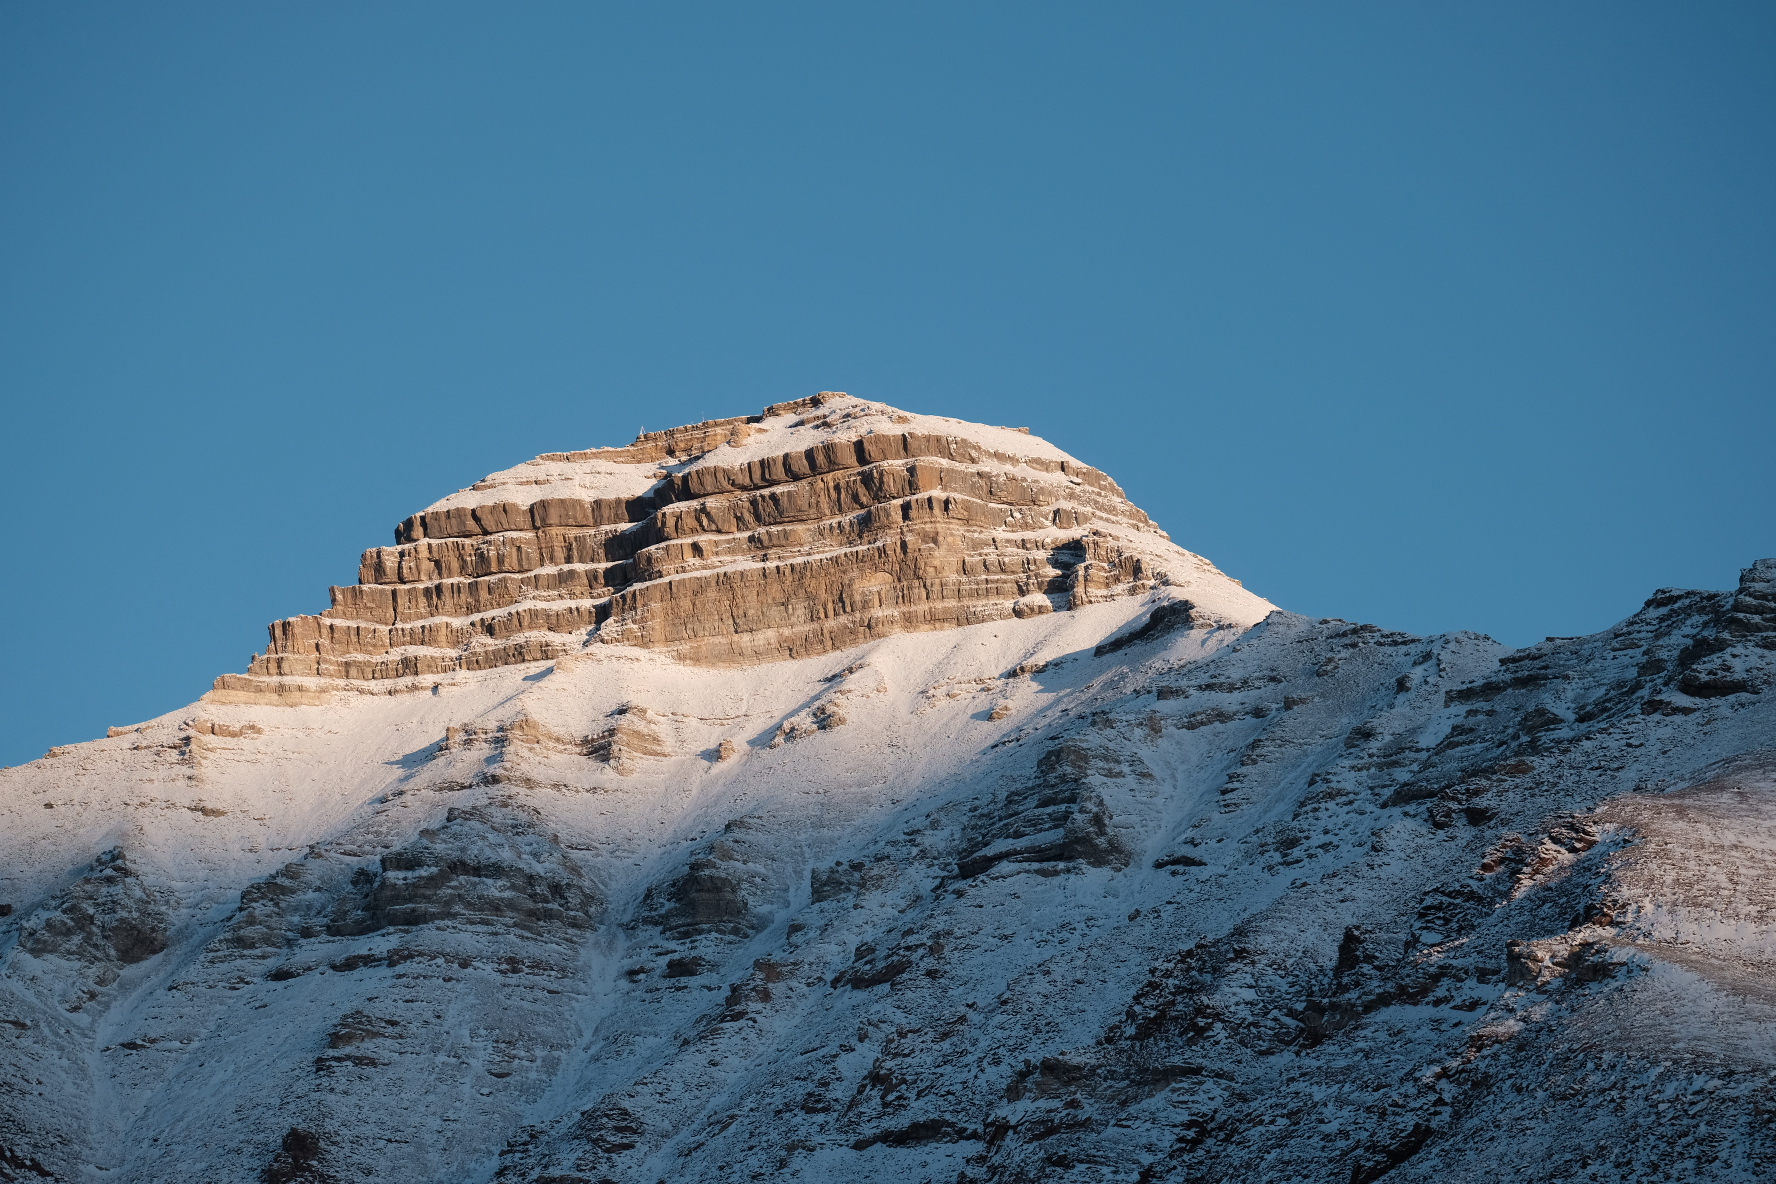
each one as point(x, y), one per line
point(876, 819)
point(106, 919)
point(813, 526)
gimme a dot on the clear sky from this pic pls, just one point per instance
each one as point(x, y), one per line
point(1434, 315)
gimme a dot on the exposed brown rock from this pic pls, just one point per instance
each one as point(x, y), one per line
point(864, 534)
point(210, 727)
point(630, 735)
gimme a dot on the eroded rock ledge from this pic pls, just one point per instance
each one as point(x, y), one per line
point(813, 526)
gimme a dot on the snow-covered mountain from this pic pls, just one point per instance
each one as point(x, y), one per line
point(837, 794)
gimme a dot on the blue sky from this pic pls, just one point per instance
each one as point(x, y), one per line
point(1438, 316)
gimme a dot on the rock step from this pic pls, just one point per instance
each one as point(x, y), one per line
point(785, 554)
point(705, 480)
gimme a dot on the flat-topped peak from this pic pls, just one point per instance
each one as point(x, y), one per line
point(815, 525)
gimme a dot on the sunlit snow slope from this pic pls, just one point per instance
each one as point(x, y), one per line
point(1029, 847)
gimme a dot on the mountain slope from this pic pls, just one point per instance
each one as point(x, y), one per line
point(928, 816)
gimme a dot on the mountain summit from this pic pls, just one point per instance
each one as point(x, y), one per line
point(814, 526)
point(838, 794)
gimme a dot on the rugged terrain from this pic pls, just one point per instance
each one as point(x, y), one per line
point(842, 794)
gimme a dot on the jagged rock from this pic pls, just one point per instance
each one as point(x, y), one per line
point(720, 892)
point(296, 1160)
point(707, 898)
point(1178, 614)
point(271, 915)
point(689, 967)
point(106, 919)
point(1059, 817)
point(811, 527)
point(630, 736)
point(838, 880)
point(482, 867)
point(1254, 896)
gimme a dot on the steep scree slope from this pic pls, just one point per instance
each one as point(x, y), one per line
point(858, 830)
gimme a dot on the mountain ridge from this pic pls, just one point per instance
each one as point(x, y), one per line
point(812, 526)
point(1162, 883)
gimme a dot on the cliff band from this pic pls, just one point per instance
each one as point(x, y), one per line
point(838, 795)
point(813, 526)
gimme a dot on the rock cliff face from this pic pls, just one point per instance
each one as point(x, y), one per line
point(903, 806)
point(814, 526)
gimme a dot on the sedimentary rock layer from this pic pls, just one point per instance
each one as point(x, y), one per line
point(813, 526)
point(1163, 890)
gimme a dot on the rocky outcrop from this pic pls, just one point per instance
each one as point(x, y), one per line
point(1059, 818)
point(482, 867)
point(812, 527)
point(722, 891)
point(1148, 892)
point(107, 919)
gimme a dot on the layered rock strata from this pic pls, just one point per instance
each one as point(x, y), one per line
point(1159, 890)
point(813, 526)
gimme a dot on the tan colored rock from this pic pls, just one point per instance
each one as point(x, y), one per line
point(210, 727)
point(246, 689)
point(630, 736)
point(863, 522)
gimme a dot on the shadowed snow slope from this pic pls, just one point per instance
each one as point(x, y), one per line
point(989, 837)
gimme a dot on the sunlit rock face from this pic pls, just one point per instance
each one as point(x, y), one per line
point(836, 794)
point(814, 526)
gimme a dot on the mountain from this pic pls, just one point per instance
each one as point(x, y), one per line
point(838, 794)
